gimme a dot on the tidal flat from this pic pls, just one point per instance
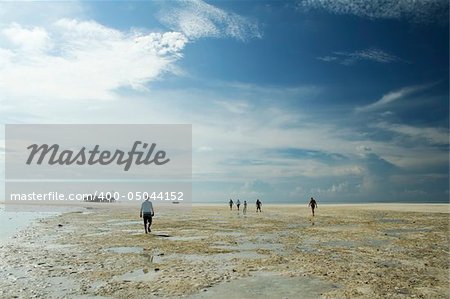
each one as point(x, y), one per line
point(208, 251)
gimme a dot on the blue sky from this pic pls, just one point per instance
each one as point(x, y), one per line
point(341, 100)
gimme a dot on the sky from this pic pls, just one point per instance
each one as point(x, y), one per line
point(346, 101)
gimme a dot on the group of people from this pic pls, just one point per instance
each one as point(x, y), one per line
point(244, 210)
point(147, 211)
point(312, 203)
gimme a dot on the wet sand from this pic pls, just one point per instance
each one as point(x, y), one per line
point(346, 251)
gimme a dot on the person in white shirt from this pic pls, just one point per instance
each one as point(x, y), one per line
point(147, 212)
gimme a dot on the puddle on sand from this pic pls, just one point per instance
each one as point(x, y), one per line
point(219, 221)
point(376, 242)
point(388, 263)
point(338, 244)
point(268, 285)
point(409, 230)
point(124, 223)
point(14, 274)
point(391, 220)
point(311, 246)
point(228, 234)
point(249, 255)
point(298, 225)
point(308, 246)
point(250, 246)
point(61, 287)
point(191, 238)
point(137, 275)
point(124, 249)
point(340, 227)
point(405, 231)
point(97, 234)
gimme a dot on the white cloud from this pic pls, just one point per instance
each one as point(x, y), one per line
point(376, 55)
point(234, 106)
point(363, 149)
point(350, 58)
point(196, 19)
point(68, 59)
point(393, 96)
point(26, 13)
point(28, 40)
point(417, 11)
point(82, 60)
point(433, 135)
point(327, 58)
point(333, 189)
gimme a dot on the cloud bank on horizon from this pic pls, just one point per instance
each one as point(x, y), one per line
point(286, 100)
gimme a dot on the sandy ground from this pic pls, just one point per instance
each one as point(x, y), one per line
point(346, 251)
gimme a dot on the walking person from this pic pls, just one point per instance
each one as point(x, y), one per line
point(258, 206)
point(244, 210)
point(313, 205)
point(238, 204)
point(231, 204)
point(147, 213)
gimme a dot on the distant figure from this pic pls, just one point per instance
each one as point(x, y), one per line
point(147, 212)
point(238, 204)
point(244, 210)
point(231, 204)
point(313, 205)
point(258, 205)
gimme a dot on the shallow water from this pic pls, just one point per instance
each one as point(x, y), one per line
point(13, 221)
point(339, 244)
point(245, 246)
point(268, 285)
point(126, 223)
point(124, 249)
point(186, 238)
point(229, 233)
point(401, 231)
point(214, 257)
point(138, 275)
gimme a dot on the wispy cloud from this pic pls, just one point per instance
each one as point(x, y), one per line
point(334, 188)
point(393, 96)
point(432, 135)
point(197, 19)
point(417, 11)
point(350, 58)
point(87, 58)
point(94, 61)
point(234, 107)
point(13, 11)
point(328, 58)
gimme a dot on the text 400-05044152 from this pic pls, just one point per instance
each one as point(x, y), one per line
point(137, 195)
